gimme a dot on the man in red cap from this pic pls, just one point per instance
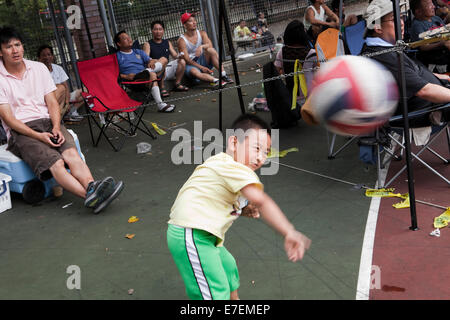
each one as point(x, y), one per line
point(199, 54)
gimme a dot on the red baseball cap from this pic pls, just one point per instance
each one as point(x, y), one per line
point(185, 17)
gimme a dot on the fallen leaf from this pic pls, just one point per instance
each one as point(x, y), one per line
point(213, 100)
point(130, 291)
point(129, 236)
point(133, 219)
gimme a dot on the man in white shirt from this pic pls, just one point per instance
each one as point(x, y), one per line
point(63, 95)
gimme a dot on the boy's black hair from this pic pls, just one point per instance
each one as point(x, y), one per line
point(42, 48)
point(157, 22)
point(249, 121)
point(117, 37)
point(8, 33)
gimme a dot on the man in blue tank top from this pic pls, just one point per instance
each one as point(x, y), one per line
point(159, 50)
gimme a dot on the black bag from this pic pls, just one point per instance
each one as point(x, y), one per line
point(267, 39)
point(279, 100)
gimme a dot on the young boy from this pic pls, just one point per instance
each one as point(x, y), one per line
point(211, 200)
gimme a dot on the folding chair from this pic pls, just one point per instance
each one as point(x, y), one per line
point(396, 127)
point(329, 44)
point(106, 98)
point(354, 37)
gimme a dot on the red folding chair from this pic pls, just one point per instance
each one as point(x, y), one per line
point(106, 98)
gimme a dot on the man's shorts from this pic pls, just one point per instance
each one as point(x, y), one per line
point(208, 272)
point(201, 61)
point(38, 155)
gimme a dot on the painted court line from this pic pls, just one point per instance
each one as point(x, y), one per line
point(365, 266)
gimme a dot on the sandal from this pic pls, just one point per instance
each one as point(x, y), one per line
point(180, 87)
point(164, 93)
point(167, 108)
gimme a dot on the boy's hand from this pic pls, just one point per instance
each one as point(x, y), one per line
point(250, 211)
point(295, 244)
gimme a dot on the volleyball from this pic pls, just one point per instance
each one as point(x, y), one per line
point(353, 95)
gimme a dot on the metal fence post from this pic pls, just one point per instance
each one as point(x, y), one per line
point(212, 23)
point(51, 10)
point(402, 85)
point(69, 42)
point(112, 17)
point(105, 23)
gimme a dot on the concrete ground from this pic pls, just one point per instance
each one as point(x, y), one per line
point(39, 243)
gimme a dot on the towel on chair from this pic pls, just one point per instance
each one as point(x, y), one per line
point(421, 136)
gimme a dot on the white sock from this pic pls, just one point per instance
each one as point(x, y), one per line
point(157, 68)
point(157, 96)
point(224, 73)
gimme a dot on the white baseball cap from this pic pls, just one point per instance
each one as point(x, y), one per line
point(376, 10)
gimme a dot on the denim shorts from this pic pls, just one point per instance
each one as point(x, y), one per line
point(201, 61)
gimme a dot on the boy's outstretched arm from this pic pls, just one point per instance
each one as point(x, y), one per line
point(295, 243)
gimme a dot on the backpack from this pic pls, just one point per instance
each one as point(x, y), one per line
point(279, 100)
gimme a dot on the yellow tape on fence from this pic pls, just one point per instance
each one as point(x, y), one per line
point(298, 78)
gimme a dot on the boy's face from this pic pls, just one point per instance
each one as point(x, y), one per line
point(12, 52)
point(253, 150)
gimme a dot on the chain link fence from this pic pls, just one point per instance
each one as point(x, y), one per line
point(135, 17)
point(32, 18)
point(33, 21)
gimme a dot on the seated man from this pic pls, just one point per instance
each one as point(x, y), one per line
point(348, 20)
point(315, 21)
point(241, 31)
point(425, 19)
point(423, 88)
point(63, 94)
point(443, 9)
point(296, 47)
point(199, 54)
point(159, 49)
point(267, 37)
point(134, 65)
point(32, 120)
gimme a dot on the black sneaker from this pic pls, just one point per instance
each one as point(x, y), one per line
point(227, 79)
point(105, 201)
point(96, 188)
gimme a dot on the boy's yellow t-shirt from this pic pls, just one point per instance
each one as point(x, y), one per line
point(209, 198)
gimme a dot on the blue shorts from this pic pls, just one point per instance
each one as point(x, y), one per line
point(201, 61)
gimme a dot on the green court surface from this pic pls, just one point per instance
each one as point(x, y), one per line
point(38, 243)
